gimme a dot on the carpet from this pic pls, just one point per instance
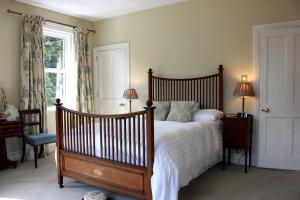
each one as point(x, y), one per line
point(27, 183)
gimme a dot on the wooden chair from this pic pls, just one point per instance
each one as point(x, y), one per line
point(34, 139)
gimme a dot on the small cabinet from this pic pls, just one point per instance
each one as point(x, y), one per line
point(237, 134)
point(8, 129)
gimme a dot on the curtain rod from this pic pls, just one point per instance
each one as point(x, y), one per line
point(21, 14)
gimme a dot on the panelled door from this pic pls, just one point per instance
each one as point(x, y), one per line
point(111, 78)
point(279, 98)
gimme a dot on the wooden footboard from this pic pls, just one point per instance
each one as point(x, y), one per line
point(113, 152)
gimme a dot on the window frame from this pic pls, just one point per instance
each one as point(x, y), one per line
point(68, 70)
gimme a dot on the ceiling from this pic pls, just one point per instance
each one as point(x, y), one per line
point(94, 10)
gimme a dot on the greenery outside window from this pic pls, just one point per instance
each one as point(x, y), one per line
point(60, 72)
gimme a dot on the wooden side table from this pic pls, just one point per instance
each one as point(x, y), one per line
point(8, 129)
point(237, 134)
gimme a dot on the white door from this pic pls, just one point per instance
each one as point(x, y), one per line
point(279, 98)
point(111, 78)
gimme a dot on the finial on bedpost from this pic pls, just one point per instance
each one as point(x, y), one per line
point(149, 102)
point(221, 69)
point(58, 103)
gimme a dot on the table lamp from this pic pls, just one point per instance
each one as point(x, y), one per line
point(130, 94)
point(243, 88)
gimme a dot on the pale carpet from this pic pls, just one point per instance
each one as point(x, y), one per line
point(27, 183)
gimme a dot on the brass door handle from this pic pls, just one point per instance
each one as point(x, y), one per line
point(266, 109)
point(122, 104)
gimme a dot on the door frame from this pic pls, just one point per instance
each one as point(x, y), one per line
point(125, 46)
point(257, 29)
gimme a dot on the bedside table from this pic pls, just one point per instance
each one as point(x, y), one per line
point(8, 129)
point(237, 134)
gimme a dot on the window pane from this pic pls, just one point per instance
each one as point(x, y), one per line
point(55, 85)
point(60, 86)
point(53, 52)
point(50, 81)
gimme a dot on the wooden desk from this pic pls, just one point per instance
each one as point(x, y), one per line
point(8, 129)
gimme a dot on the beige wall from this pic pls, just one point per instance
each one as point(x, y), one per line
point(10, 26)
point(192, 38)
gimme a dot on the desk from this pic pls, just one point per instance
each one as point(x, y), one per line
point(8, 129)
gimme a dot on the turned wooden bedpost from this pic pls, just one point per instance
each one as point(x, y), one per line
point(59, 141)
point(150, 136)
point(220, 106)
point(150, 150)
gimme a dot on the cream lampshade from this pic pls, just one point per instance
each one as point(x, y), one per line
point(130, 94)
point(243, 88)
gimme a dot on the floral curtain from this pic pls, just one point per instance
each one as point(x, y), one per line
point(32, 70)
point(85, 92)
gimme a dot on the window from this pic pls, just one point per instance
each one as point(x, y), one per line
point(60, 73)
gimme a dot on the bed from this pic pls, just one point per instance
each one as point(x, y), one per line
point(134, 155)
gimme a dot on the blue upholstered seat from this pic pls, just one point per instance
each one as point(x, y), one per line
point(40, 138)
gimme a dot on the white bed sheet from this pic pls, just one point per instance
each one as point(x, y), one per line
point(182, 152)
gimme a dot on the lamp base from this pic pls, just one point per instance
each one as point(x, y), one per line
point(130, 106)
point(243, 104)
point(242, 115)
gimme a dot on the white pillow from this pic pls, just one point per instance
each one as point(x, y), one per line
point(207, 115)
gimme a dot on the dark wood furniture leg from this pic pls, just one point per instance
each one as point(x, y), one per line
point(41, 154)
point(246, 159)
point(229, 154)
point(61, 181)
point(4, 161)
point(23, 151)
point(224, 162)
point(250, 156)
point(35, 149)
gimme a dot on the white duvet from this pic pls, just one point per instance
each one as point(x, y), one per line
point(182, 152)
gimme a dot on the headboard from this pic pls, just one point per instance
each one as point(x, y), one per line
point(206, 90)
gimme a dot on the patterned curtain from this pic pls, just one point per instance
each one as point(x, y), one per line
point(85, 92)
point(32, 70)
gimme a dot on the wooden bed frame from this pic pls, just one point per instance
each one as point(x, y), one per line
point(112, 169)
